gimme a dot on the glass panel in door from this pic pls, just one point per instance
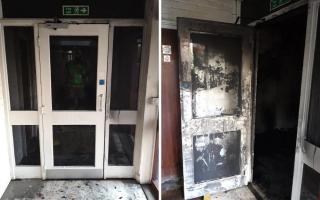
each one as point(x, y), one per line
point(26, 144)
point(310, 188)
point(121, 145)
point(21, 68)
point(69, 151)
point(73, 72)
point(127, 45)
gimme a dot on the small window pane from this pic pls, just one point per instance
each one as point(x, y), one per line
point(74, 72)
point(215, 75)
point(26, 145)
point(126, 67)
point(19, 44)
point(313, 135)
point(310, 189)
point(74, 145)
point(216, 156)
point(121, 144)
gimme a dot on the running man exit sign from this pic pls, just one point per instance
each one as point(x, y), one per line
point(274, 4)
point(75, 10)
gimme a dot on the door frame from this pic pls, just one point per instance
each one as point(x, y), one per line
point(23, 172)
point(304, 150)
point(306, 153)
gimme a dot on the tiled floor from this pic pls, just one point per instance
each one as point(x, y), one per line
point(75, 190)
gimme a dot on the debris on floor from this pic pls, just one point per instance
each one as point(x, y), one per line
point(242, 193)
point(74, 190)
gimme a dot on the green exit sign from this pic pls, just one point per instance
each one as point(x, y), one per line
point(274, 4)
point(78, 10)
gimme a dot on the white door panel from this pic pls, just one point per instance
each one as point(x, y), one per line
point(77, 118)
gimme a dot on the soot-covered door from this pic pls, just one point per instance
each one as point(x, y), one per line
point(216, 63)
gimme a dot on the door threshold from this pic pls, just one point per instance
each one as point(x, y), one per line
point(257, 192)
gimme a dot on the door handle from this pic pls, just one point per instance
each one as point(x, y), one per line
point(100, 102)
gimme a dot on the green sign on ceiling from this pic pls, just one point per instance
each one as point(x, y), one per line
point(274, 4)
point(75, 10)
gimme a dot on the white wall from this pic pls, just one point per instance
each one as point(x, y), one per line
point(5, 176)
point(214, 10)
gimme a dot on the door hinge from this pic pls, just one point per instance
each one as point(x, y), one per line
point(38, 41)
point(42, 110)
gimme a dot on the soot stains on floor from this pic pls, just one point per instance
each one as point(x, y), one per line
point(242, 193)
point(75, 189)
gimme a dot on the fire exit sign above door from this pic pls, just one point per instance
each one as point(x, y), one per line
point(75, 10)
point(274, 4)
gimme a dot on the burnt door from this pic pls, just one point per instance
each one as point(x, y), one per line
point(216, 63)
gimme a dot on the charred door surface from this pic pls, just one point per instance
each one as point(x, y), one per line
point(216, 102)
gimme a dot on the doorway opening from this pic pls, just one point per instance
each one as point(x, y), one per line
point(280, 63)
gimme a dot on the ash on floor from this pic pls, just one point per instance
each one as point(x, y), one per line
point(242, 193)
point(74, 189)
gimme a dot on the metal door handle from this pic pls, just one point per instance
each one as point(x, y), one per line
point(100, 102)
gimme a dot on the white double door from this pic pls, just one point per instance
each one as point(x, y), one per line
point(73, 74)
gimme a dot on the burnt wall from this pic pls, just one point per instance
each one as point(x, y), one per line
point(53, 9)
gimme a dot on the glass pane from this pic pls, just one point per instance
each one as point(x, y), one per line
point(313, 135)
point(73, 72)
point(216, 155)
point(26, 145)
point(126, 67)
point(19, 44)
point(74, 145)
point(215, 75)
point(310, 189)
point(121, 144)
